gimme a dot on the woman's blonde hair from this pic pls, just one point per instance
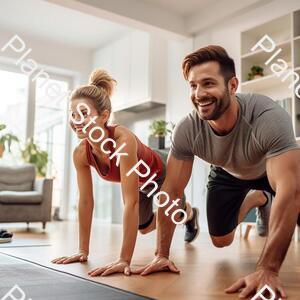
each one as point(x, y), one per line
point(99, 90)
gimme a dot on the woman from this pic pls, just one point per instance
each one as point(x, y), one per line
point(91, 107)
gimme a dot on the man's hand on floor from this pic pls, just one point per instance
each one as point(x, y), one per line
point(79, 257)
point(158, 264)
point(120, 266)
point(252, 283)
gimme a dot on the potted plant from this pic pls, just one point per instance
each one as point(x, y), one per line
point(6, 140)
point(256, 72)
point(159, 130)
point(34, 155)
point(2, 126)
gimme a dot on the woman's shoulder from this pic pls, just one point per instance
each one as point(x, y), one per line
point(80, 154)
point(122, 133)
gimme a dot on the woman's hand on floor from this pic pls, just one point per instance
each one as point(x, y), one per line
point(158, 264)
point(79, 257)
point(120, 266)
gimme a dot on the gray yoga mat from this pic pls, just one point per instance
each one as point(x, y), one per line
point(23, 242)
point(41, 283)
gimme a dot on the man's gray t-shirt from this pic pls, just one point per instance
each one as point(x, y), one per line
point(263, 129)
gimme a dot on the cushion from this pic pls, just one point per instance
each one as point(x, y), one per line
point(26, 186)
point(18, 178)
point(12, 197)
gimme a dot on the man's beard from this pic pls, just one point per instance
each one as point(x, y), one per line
point(220, 105)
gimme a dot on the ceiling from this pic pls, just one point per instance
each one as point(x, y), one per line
point(182, 7)
point(48, 21)
point(184, 18)
point(90, 24)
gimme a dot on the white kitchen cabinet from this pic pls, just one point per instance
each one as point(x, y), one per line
point(138, 62)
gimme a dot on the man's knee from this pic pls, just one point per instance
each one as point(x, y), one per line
point(222, 241)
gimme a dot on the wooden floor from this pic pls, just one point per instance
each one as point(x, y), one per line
point(205, 270)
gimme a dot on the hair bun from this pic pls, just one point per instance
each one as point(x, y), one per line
point(101, 79)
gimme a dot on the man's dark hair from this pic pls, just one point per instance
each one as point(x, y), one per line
point(210, 53)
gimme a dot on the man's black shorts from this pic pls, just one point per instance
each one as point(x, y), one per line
point(225, 195)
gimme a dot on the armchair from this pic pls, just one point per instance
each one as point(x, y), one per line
point(23, 197)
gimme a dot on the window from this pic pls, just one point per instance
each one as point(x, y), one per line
point(28, 111)
point(103, 196)
point(50, 132)
point(14, 101)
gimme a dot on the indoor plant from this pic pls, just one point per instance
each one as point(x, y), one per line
point(6, 140)
point(256, 72)
point(2, 126)
point(34, 155)
point(159, 130)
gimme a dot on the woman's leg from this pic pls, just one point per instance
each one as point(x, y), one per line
point(152, 225)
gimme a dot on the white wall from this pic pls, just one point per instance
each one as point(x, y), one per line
point(70, 60)
point(178, 103)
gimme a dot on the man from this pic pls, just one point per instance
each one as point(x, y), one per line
point(249, 141)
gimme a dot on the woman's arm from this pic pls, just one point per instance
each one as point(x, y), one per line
point(86, 200)
point(130, 193)
point(85, 207)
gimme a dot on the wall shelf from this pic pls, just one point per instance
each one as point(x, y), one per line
point(278, 45)
point(297, 53)
point(297, 38)
point(279, 29)
point(262, 83)
point(261, 57)
point(285, 32)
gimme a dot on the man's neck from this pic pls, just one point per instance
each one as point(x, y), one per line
point(227, 121)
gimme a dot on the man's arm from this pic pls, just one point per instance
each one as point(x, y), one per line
point(284, 176)
point(177, 177)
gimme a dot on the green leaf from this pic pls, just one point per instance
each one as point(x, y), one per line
point(33, 154)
